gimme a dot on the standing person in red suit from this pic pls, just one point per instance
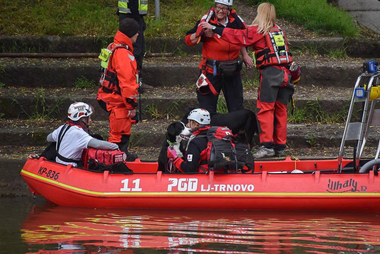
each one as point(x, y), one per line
point(137, 10)
point(216, 54)
point(119, 84)
point(273, 59)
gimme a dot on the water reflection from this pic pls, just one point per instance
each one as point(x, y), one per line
point(51, 229)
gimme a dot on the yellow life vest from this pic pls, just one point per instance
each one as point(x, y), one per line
point(124, 8)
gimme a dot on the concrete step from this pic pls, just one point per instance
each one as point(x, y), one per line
point(158, 103)
point(172, 71)
point(149, 134)
point(91, 44)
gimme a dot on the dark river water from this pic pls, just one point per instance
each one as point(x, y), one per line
point(35, 226)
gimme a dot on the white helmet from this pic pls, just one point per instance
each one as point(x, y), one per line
point(200, 115)
point(225, 2)
point(78, 110)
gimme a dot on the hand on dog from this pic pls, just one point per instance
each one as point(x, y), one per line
point(171, 153)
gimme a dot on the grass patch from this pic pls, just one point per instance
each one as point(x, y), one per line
point(83, 82)
point(221, 105)
point(313, 112)
point(40, 110)
point(315, 15)
point(176, 17)
point(98, 17)
point(250, 82)
point(338, 53)
point(153, 112)
point(59, 17)
point(94, 17)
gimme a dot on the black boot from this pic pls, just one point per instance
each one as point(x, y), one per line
point(123, 146)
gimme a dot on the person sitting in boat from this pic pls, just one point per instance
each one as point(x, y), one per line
point(199, 122)
point(72, 137)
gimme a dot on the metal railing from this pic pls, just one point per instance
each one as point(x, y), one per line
point(157, 9)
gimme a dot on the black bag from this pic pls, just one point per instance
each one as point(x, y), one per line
point(245, 156)
point(50, 152)
point(229, 68)
point(224, 153)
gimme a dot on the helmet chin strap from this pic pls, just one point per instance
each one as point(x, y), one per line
point(79, 123)
point(84, 124)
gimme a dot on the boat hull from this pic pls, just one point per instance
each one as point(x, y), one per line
point(266, 190)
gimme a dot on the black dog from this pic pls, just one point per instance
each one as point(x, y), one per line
point(242, 122)
point(175, 133)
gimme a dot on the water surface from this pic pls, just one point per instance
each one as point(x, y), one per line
point(34, 226)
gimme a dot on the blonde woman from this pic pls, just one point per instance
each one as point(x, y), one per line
point(273, 59)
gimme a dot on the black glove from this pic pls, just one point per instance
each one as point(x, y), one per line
point(136, 117)
point(132, 103)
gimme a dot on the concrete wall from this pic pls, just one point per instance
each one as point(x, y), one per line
point(366, 12)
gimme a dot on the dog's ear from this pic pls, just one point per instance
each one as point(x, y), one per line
point(171, 129)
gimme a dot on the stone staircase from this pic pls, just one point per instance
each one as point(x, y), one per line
point(41, 76)
point(37, 87)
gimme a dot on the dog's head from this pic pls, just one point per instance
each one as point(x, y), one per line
point(176, 132)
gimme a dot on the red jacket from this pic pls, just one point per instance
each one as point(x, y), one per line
point(258, 42)
point(214, 47)
point(247, 37)
point(124, 64)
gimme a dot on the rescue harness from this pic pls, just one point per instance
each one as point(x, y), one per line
point(108, 79)
point(62, 133)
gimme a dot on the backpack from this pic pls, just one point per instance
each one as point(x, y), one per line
point(223, 152)
point(100, 160)
point(51, 151)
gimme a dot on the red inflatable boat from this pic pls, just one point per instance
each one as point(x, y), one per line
point(274, 185)
point(282, 184)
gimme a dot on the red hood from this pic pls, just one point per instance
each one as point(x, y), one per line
point(121, 38)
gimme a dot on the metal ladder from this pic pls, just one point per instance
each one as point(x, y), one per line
point(358, 130)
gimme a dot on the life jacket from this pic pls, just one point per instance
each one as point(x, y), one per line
point(108, 79)
point(123, 6)
point(209, 64)
point(224, 154)
point(276, 51)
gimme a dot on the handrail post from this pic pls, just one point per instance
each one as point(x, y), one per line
point(157, 9)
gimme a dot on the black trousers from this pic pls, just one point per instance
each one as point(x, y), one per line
point(232, 88)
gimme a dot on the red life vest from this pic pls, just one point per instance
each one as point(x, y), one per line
point(276, 51)
point(108, 79)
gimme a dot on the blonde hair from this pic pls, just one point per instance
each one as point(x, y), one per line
point(265, 18)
